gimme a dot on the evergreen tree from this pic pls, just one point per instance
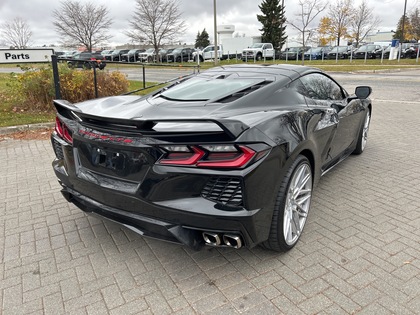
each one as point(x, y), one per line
point(274, 23)
point(197, 40)
point(202, 39)
point(407, 29)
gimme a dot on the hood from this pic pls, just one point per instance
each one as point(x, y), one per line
point(250, 49)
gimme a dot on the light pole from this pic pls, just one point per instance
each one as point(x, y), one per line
point(403, 22)
point(215, 33)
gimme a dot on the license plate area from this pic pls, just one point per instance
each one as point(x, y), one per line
point(108, 159)
point(127, 164)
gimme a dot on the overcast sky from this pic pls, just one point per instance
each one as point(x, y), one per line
point(198, 14)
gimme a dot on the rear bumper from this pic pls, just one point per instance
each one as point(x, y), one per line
point(180, 227)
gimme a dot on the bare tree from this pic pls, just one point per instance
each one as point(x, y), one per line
point(156, 21)
point(340, 14)
point(415, 23)
point(363, 22)
point(309, 10)
point(16, 33)
point(82, 24)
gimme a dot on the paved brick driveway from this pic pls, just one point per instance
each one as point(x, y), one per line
point(360, 252)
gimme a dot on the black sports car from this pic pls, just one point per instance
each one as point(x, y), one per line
point(227, 157)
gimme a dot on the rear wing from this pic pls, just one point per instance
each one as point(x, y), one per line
point(231, 128)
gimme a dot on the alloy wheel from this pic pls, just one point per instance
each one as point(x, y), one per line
point(297, 203)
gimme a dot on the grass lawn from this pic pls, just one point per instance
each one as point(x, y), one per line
point(11, 114)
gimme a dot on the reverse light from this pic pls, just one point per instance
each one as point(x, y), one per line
point(63, 131)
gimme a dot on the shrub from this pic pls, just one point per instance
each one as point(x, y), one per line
point(35, 91)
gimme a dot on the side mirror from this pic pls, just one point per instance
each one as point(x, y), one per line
point(363, 92)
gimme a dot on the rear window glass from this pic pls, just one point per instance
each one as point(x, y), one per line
point(203, 89)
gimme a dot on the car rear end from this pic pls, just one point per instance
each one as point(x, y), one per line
point(189, 182)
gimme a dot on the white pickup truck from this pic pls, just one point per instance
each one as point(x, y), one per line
point(258, 51)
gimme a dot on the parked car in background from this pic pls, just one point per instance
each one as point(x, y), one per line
point(384, 53)
point(87, 60)
point(147, 56)
point(339, 52)
point(107, 54)
point(293, 53)
point(317, 53)
point(116, 54)
point(367, 51)
point(180, 55)
point(163, 53)
point(410, 51)
point(258, 51)
point(132, 55)
point(68, 54)
point(228, 157)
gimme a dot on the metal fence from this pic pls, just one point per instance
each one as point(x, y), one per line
point(95, 65)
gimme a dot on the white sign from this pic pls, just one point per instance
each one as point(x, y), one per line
point(25, 55)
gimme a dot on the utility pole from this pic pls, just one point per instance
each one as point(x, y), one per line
point(215, 34)
point(403, 22)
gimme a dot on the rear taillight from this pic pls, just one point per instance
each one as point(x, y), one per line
point(182, 155)
point(63, 131)
point(213, 156)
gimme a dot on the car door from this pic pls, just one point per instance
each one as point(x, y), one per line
point(208, 53)
point(268, 51)
point(325, 92)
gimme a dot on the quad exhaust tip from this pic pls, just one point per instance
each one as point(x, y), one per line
point(226, 240)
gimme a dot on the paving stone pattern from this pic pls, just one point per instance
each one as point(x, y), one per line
point(359, 254)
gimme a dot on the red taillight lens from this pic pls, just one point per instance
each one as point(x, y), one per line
point(63, 131)
point(228, 159)
point(214, 156)
point(182, 155)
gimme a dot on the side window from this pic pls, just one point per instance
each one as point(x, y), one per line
point(321, 87)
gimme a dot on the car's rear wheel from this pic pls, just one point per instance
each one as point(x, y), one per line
point(291, 207)
point(363, 134)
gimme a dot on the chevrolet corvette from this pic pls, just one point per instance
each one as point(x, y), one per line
point(227, 157)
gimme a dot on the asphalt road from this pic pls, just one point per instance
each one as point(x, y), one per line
point(359, 253)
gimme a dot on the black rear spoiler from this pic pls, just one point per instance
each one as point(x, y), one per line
point(232, 128)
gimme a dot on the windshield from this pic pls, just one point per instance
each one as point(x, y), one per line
point(259, 45)
point(366, 48)
point(315, 50)
point(338, 49)
point(176, 50)
point(203, 89)
point(293, 49)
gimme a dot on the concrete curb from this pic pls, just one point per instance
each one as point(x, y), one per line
point(20, 128)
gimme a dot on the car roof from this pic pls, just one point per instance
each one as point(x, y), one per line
point(277, 70)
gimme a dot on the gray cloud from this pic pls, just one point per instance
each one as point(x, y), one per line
point(198, 15)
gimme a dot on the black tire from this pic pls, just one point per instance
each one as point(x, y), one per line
point(299, 173)
point(259, 57)
point(178, 59)
point(363, 134)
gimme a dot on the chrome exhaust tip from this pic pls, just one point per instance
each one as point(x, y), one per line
point(232, 240)
point(212, 239)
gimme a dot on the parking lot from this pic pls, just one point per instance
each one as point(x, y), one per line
point(359, 253)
